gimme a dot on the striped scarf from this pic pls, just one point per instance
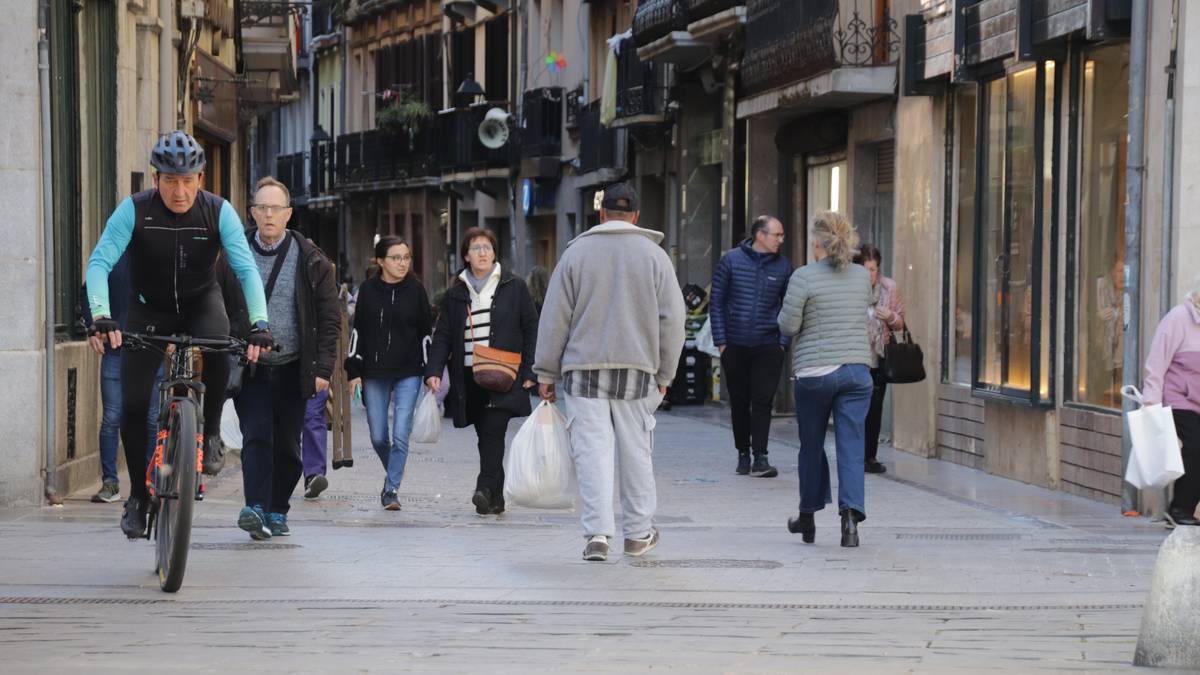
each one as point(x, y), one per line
point(477, 329)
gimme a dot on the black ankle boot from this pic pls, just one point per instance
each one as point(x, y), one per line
point(804, 526)
point(849, 529)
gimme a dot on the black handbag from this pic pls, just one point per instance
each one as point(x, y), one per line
point(903, 360)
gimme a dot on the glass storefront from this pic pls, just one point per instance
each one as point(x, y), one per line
point(966, 114)
point(1099, 279)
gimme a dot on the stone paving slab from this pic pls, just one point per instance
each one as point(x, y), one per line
point(957, 570)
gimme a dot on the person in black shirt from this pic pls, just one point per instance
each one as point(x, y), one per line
point(391, 319)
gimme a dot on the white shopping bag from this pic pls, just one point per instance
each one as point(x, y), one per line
point(231, 426)
point(538, 471)
point(427, 419)
point(1155, 459)
point(704, 340)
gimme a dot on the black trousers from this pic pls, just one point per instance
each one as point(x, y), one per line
point(491, 424)
point(875, 414)
point(751, 377)
point(202, 317)
point(1187, 487)
point(271, 412)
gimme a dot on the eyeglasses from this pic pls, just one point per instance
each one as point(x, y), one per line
point(480, 248)
point(778, 235)
point(270, 209)
point(399, 258)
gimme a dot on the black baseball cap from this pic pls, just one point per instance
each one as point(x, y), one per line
point(620, 197)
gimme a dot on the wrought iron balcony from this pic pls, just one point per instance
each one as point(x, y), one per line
point(459, 149)
point(790, 41)
point(641, 89)
point(597, 145)
point(655, 19)
point(322, 167)
point(541, 133)
point(289, 169)
point(382, 156)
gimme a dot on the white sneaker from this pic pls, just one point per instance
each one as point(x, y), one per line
point(596, 549)
point(642, 546)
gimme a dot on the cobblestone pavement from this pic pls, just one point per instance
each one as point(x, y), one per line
point(956, 570)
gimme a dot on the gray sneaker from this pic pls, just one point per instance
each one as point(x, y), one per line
point(642, 546)
point(109, 493)
point(314, 486)
point(596, 549)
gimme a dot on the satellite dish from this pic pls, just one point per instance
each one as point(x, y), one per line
point(493, 132)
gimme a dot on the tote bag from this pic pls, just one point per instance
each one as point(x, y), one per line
point(1155, 459)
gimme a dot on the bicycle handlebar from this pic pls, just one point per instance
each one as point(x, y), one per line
point(227, 345)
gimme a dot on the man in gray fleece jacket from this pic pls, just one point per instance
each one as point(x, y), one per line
point(612, 330)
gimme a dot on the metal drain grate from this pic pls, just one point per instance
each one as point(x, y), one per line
point(1093, 550)
point(369, 499)
point(361, 602)
point(714, 563)
point(245, 546)
point(949, 536)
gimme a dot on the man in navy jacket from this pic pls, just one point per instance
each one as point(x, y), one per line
point(747, 294)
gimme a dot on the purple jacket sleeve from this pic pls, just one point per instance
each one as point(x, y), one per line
point(1167, 340)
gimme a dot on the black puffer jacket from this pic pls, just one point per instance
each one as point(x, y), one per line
point(390, 322)
point(514, 326)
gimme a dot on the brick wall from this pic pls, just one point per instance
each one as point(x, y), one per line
point(960, 421)
point(1091, 453)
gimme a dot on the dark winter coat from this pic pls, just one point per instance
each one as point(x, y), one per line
point(514, 326)
point(317, 311)
point(747, 294)
point(390, 323)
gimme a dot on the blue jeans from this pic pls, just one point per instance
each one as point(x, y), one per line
point(401, 394)
point(110, 423)
point(846, 394)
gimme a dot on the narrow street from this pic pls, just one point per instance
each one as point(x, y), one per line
point(957, 570)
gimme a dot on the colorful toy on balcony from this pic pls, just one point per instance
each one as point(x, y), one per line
point(556, 62)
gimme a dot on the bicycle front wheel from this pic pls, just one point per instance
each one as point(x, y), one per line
point(176, 486)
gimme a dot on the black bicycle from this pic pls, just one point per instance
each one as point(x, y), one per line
point(171, 474)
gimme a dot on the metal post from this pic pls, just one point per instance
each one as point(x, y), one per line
point(1168, 193)
point(1134, 174)
point(50, 438)
point(166, 70)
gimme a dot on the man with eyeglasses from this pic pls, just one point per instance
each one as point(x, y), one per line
point(174, 233)
point(747, 295)
point(302, 299)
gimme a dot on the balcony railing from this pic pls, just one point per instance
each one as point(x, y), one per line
point(641, 86)
point(322, 167)
point(791, 41)
point(654, 19)
point(597, 145)
point(458, 146)
point(289, 169)
point(375, 156)
point(702, 9)
point(542, 132)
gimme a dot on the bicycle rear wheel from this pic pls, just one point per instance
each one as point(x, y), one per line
point(176, 486)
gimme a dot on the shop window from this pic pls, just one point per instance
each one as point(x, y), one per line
point(1099, 276)
point(966, 115)
point(1012, 325)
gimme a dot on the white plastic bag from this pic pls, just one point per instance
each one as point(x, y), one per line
point(231, 426)
point(427, 419)
point(1155, 459)
point(538, 471)
point(704, 340)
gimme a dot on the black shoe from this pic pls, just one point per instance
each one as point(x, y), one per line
point(482, 499)
point(743, 467)
point(390, 501)
point(214, 456)
point(133, 519)
point(314, 486)
point(498, 506)
point(1177, 517)
point(804, 526)
point(873, 466)
point(762, 469)
point(850, 520)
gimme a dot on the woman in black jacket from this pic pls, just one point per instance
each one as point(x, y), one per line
point(485, 306)
point(391, 319)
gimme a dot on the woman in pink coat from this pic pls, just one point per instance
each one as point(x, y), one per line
point(885, 315)
point(1173, 379)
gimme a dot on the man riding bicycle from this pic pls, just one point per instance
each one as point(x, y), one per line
point(174, 233)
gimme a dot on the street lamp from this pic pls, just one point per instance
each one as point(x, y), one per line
point(468, 92)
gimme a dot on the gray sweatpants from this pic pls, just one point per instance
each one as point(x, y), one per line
point(608, 434)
